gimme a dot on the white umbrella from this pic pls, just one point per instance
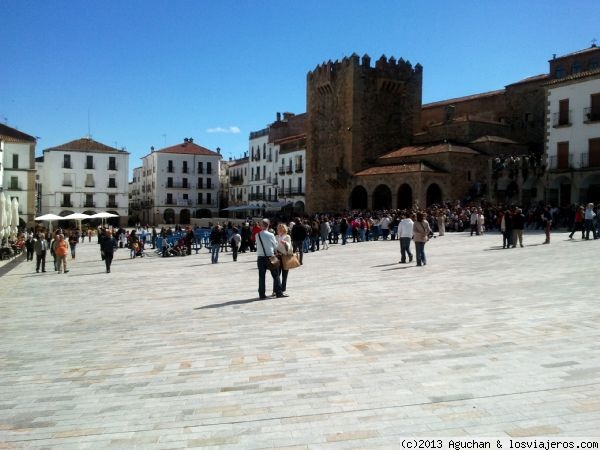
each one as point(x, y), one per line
point(49, 218)
point(15, 217)
point(9, 218)
point(103, 215)
point(78, 217)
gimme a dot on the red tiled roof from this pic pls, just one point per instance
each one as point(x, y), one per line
point(86, 145)
point(575, 76)
point(496, 139)
point(593, 48)
point(421, 150)
point(188, 148)
point(13, 135)
point(463, 99)
point(291, 139)
point(397, 168)
point(540, 77)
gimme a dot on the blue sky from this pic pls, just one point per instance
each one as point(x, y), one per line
point(150, 72)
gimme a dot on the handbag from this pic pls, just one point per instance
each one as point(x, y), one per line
point(290, 261)
point(273, 261)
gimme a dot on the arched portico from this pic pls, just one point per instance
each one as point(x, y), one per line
point(382, 197)
point(359, 198)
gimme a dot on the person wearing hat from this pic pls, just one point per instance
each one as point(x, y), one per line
point(266, 245)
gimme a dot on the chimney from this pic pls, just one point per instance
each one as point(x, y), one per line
point(278, 117)
point(185, 140)
point(191, 140)
point(219, 150)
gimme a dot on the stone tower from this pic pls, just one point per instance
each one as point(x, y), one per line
point(356, 113)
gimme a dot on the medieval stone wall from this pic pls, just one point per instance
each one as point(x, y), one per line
point(356, 113)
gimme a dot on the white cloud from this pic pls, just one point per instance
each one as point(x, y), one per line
point(232, 130)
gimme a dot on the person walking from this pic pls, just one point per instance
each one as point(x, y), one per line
point(266, 245)
point(73, 241)
point(108, 247)
point(588, 221)
point(235, 242)
point(29, 244)
point(284, 247)
point(405, 233)
point(298, 236)
point(61, 248)
point(215, 244)
point(421, 231)
point(578, 223)
point(547, 220)
point(506, 227)
point(518, 227)
point(40, 246)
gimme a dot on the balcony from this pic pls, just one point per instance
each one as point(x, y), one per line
point(291, 192)
point(65, 204)
point(591, 115)
point(289, 170)
point(255, 197)
point(112, 205)
point(275, 180)
point(184, 170)
point(15, 187)
point(89, 204)
point(67, 165)
point(170, 169)
point(67, 183)
point(179, 186)
point(555, 163)
point(112, 167)
point(184, 202)
point(236, 180)
point(90, 185)
point(282, 170)
point(90, 166)
point(169, 201)
point(299, 168)
point(269, 158)
point(111, 186)
point(561, 120)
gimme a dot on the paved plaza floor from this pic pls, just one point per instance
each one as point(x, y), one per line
point(168, 353)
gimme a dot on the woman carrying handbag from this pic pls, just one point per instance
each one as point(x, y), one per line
point(266, 245)
point(284, 249)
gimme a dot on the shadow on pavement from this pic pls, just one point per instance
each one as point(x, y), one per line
point(232, 303)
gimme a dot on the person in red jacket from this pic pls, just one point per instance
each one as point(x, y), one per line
point(578, 223)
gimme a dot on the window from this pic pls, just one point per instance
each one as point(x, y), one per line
point(170, 182)
point(594, 152)
point(264, 151)
point(169, 199)
point(563, 112)
point(200, 199)
point(66, 200)
point(170, 166)
point(208, 168)
point(112, 182)
point(112, 163)
point(185, 196)
point(576, 67)
point(89, 201)
point(208, 198)
point(559, 72)
point(14, 183)
point(15, 161)
point(592, 113)
point(562, 155)
point(208, 183)
point(89, 162)
point(112, 203)
point(66, 161)
point(67, 180)
point(593, 64)
point(200, 183)
point(300, 185)
point(184, 169)
point(200, 167)
point(89, 180)
point(185, 183)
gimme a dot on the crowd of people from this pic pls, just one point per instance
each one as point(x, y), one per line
point(282, 237)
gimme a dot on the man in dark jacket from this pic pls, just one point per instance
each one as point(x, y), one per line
point(108, 246)
point(518, 226)
point(298, 236)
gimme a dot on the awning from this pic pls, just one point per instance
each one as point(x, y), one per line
point(242, 208)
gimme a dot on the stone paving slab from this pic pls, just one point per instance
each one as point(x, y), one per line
point(178, 353)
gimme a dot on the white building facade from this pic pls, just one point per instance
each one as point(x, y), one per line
point(573, 139)
point(17, 171)
point(84, 176)
point(176, 184)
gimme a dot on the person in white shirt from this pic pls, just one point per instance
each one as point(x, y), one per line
point(405, 233)
point(266, 245)
point(384, 225)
